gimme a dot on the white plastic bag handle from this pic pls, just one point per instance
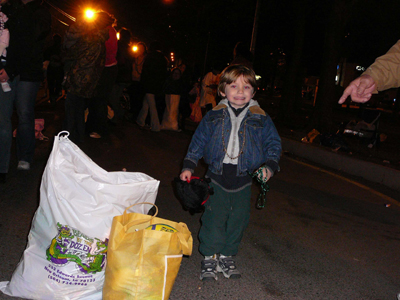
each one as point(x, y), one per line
point(63, 134)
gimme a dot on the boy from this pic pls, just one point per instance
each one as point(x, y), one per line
point(234, 138)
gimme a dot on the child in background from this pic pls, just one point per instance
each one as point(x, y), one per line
point(196, 115)
point(209, 86)
point(235, 138)
point(4, 40)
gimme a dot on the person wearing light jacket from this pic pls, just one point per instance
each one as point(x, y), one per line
point(383, 74)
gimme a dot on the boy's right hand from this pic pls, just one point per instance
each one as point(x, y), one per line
point(186, 175)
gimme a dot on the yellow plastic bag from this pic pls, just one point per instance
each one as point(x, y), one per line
point(142, 264)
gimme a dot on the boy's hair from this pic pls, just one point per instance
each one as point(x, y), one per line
point(233, 72)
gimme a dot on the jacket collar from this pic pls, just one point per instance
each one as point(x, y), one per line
point(254, 107)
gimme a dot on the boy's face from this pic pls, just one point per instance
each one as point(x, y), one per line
point(239, 92)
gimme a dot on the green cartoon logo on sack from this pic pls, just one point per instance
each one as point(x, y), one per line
point(70, 245)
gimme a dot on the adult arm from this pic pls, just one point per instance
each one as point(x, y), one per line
point(383, 74)
point(385, 71)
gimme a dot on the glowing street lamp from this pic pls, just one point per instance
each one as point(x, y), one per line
point(89, 14)
point(135, 48)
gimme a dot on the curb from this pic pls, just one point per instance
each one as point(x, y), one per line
point(369, 171)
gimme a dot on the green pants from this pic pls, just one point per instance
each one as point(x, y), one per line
point(224, 220)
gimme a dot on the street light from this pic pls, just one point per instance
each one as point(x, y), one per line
point(89, 14)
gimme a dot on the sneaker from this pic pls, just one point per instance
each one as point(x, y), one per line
point(208, 268)
point(95, 135)
point(23, 165)
point(227, 266)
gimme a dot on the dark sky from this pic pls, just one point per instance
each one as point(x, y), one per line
point(208, 30)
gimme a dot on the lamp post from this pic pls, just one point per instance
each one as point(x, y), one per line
point(255, 27)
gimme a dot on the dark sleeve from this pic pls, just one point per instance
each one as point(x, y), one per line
point(27, 38)
point(188, 165)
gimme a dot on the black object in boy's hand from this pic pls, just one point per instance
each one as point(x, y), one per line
point(193, 194)
point(262, 197)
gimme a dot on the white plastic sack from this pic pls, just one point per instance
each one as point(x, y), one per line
point(67, 245)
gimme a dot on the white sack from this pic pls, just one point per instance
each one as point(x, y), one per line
point(65, 256)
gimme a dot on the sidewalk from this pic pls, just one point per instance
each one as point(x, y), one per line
point(351, 165)
point(379, 165)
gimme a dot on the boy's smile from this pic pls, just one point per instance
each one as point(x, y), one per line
point(239, 92)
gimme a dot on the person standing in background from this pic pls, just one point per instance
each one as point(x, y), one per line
point(242, 56)
point(98, 111)
point(208, 92)
point(124, 77)
point(172, 90)
point(4, 42)
point(84, 62)
point(55, 69)
point(136, 89)
point(29, 24)
point(153, 77)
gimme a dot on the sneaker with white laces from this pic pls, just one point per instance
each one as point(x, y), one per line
point(227, 266)
point(23, 165)
point(208, 268)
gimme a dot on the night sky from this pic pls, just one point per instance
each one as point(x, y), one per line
point(190, 28)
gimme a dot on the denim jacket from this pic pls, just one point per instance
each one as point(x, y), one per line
point(262, 142)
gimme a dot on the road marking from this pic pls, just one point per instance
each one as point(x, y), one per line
point(386, 198)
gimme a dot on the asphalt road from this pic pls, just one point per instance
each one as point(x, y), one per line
point(320, 236)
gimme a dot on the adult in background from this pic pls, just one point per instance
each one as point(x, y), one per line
point(184, 103)
point(136, 90)
point(54, 66)
point(98, 111)
point(84, 62)
point(242, 56)
point(172, 89)
point(153, 77)
point(29, 24)
point(124, 76)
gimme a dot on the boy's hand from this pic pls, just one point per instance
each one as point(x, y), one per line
point(266, 174)
point(186, 175)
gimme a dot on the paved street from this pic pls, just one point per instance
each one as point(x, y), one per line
point(320, 236)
